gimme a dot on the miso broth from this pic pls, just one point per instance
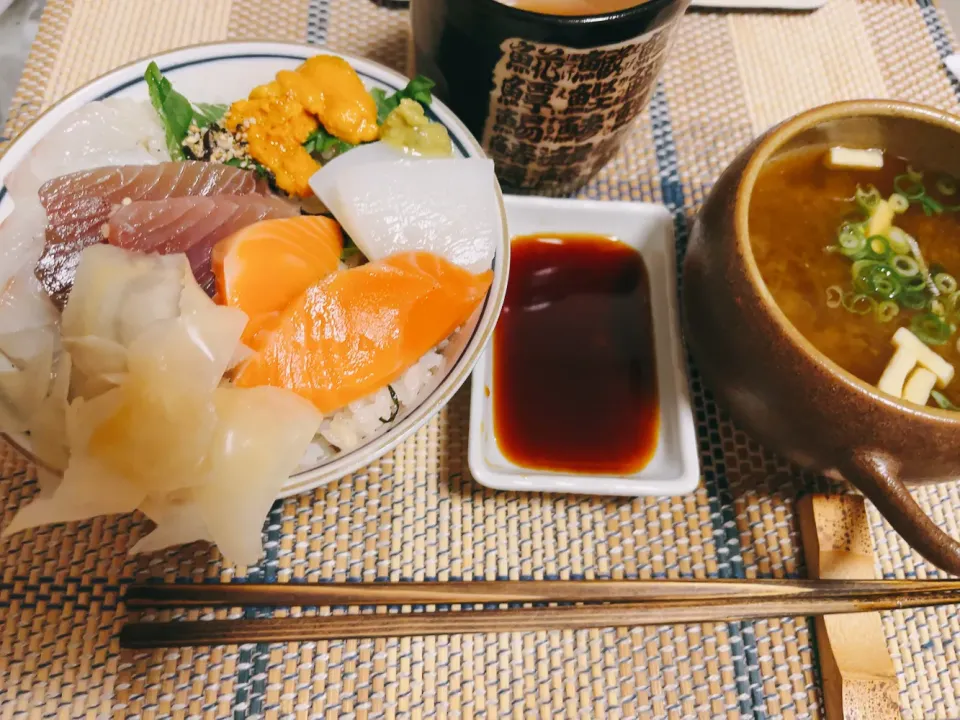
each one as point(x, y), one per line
point(796, 213)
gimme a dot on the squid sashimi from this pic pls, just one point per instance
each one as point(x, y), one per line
point(447, 207)
point(79, 204)
point(191, 225)
point(358, 330)
point(108, 132)
point(265, 266)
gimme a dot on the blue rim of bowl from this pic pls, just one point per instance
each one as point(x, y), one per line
point(342, 456)
point(254, 56)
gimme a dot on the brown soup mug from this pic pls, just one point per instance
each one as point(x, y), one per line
point(776, 385)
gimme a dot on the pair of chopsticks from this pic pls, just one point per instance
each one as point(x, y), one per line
point(600, 603)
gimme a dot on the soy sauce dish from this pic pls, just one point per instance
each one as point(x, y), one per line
point(584, 388)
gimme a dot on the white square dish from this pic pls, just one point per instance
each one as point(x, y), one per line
point(674, 468)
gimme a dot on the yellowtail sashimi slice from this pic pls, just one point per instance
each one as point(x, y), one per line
point(446, 207)
point(78, 205)
point(192, 225)
point(109, 132)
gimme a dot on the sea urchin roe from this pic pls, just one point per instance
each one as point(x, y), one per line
point(278, 117)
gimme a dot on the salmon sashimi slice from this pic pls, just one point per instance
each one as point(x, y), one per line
point(264, 267)
point(191, 225)
point(357, 330)
point(78, 205)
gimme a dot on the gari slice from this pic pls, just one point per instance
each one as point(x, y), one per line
point(447, 207)
point(261, 435)
point(88, 487)
point(357, 330)
point(265, 266)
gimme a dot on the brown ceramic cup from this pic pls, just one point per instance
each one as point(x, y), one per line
point(776, 385)
point(550, 96)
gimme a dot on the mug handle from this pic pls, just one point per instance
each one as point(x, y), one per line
point(877, 476)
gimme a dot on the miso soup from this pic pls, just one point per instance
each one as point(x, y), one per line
point(852, 255)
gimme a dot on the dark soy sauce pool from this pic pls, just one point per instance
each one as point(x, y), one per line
point(574, 374)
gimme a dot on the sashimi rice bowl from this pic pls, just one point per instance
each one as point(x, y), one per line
point(201, 299)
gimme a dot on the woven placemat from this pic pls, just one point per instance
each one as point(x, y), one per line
point(417, 515)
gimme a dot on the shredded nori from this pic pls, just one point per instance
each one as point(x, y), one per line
point(396, 406)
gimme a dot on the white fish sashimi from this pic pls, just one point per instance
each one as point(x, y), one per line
point(448, 207)
point(116, 131)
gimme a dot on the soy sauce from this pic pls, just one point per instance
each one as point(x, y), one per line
point(574, 372)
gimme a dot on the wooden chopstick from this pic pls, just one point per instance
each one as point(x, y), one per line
point(463, 593)
point(629, 603)
point(142, 635)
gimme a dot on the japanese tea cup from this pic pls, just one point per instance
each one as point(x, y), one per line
point(775, 383)
point(550, 96)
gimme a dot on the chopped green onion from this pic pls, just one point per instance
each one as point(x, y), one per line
point(882, 282)
point(942, 400)
point(945, 282)
point(858, 303)
point(930, 206)
point(910, 186)
point(867, 199)
point(913, 299)
point(887, 311)
point(917, 283)
point(860, 273)
point(946, 185)
point(834, 296)
point(851, 240)
point(905, 266)
point(951, 301)
point(898, 203)
point(930, 328)
point(937, 308)
point(878, 246)
point(914, 174)
point(898, 240)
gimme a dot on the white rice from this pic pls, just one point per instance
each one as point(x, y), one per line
point(350, 426)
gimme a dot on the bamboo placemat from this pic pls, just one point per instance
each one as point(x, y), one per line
point(417, 515)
